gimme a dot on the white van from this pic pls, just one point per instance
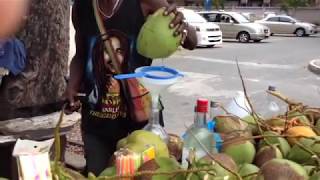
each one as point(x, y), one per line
point(208, 33)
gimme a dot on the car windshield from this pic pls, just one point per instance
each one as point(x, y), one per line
point(192, 17)
point(240, 18)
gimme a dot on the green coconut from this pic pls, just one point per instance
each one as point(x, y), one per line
point(316, 176)
point(248, 169)
point(301, 155)
point(139, 140)
point(241, 152)
point(252, 124)
point(266, 154)
point(309, 169)
point(63, 172)
point(110, 171)
point(317, 126)
point(158, 165)
point(229, 124)
point(282, 169)
point(156, 39)
point(217, 172)
point(276, 122)
point(280, 142)
point(121, 143)
point(302, 119)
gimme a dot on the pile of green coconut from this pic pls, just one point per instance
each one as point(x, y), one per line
point(285, 147)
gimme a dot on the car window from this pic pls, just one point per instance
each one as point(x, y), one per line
point(274, 19)
point(226, 18)
point(193, 17)
point(212, 17)
point(285, 19)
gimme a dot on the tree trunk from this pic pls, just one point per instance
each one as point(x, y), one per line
point(41, 84)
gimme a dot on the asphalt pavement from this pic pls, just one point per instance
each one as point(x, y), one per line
point(281, 61)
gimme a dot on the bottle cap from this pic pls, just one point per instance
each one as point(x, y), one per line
point(272, 88)
point(202, 105)
point(214, 104)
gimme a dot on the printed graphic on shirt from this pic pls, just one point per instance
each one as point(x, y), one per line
point(111, 103)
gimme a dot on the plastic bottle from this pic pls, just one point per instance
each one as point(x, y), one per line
point(154, 125)
point(239, 105)
point(198, 137)
point(273, 108)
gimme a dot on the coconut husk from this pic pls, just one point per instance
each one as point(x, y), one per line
point(281, 169)
point(266, 154)
point(147, 166)
point(223, 159)
point(175, 146)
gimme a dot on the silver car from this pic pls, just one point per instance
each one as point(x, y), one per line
point(235, 26)
point(281, 24)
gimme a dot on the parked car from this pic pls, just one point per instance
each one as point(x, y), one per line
point(250, 16)
point(235, 26)
point(282, 24)
point(208, 33)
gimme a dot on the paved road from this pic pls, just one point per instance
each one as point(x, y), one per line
point(211, 73)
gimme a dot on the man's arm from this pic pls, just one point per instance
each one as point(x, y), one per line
point(77, 63)
point(150, 6)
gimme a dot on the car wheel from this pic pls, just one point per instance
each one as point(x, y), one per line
point(243, 37)
point(300, 32)
point(257, 40)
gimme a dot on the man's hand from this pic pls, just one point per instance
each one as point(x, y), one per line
point(73, 103)
point(178, 22)
point(189, 38)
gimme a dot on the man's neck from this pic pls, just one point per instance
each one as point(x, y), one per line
point(107, 6)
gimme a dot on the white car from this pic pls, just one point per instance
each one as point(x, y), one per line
point(208, 33)
point(282, 24)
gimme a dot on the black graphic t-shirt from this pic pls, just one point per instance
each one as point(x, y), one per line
point(111, 115)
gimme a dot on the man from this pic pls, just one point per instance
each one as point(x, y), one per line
point(102, 130)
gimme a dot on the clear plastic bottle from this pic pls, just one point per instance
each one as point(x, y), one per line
point(154, 125)
point(239, 105)
point(198, 137)
point(273, 106)
point(215, 110)
point(266, 105)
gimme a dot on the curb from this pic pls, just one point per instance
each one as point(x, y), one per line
point(314, 66)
